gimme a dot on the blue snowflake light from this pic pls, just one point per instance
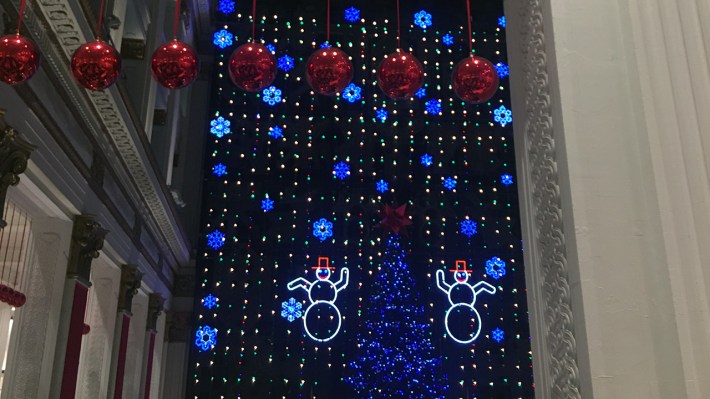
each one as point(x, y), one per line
point(426, 160)
point(205, 338)
point(223, 39)
point(226, 6)
point(220, 127)
point(209, 301)
point(501, 21)
point(503, 115)
point(267, 204)
point(497, 335)
point(219, 169)
point(495, 267)
point(420, 93)
point(291, 309)
point(215, 239)
point(326, 44)
point(271, 48)
point(352, 93)
point(450, 183)
point(468, 228)
point(285, 63)
point(448, 39)
point(433, 107)
point(276, 132)
point(502, 70)
point(381, 114)
point(322, 229)
point(271, 95)
point(422, 19)
point(352, 14)
point(506, 179)
point(382, 186)
point(341, 170)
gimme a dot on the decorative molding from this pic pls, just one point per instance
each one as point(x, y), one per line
point(178, 326)
point(130, 283)
point(550, 302)
point(86, 242)
point(155, 309)
point(14, 153)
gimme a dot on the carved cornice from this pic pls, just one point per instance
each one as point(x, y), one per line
point(155, 309)
point(130, 282)
point(543, 203)
point(87, 239)
point(14, 153)
point(59, 27)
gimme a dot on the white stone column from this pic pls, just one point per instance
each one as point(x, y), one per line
point(610, 103)
point(136, 341)
point(34, 336)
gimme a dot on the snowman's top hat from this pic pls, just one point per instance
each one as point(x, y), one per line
point(460, 267)
point(323, 263)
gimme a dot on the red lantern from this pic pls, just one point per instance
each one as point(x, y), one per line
point(19, 59)
point(96, 65)
point(400, 75)
point(475, 80)
point(175, 64)
point(252, 67)
point(329, 71)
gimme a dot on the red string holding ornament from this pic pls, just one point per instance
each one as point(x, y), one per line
point(474, 79)
point(175, 64)
point(252, 67)
point(329, 70)
point(19, 56)
point(400, 74)
point(96, 65)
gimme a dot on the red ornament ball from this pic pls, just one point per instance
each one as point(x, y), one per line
point(475, 80)
point(19, 59)
point(175, 64)
point(21, 300)
point(252, 67)
point(400, 75)
point(96, 65)
point(329, 71)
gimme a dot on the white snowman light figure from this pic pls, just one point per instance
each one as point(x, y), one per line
point(322, 293)
point(462, 297)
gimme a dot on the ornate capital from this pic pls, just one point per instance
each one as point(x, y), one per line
point(155, 309)
point(86, 241)
point(178, 326)
point(14, 153)
point(130, 282)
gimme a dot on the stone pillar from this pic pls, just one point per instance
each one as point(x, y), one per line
point(14, 153)
point(177, 346)
point(130, 282)
point(155, 308)
point(86, 241)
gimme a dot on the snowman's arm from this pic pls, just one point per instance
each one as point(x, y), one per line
point(299, 283)
point(344, 278)
point(484, 286)
point(441, 282)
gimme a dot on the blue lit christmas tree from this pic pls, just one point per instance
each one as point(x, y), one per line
point(396, 357)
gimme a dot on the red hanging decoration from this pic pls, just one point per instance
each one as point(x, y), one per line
point(175, 64)
point(19, 56)
point(400, 75)
point(475, 79)
point(96, 65)
point(329, 70)
point(252, 66)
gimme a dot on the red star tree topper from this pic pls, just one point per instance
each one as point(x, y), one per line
point(394, 219)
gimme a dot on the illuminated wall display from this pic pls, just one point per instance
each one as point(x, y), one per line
point(294, 178)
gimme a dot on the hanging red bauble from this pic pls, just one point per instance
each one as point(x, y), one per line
point(175, 64)
point(21, 300)
point(475, 80)
point(96, 65)
point(5, 293)
point(329, 71)
point(400, 75)
point(19, 59)
point(252, 67)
